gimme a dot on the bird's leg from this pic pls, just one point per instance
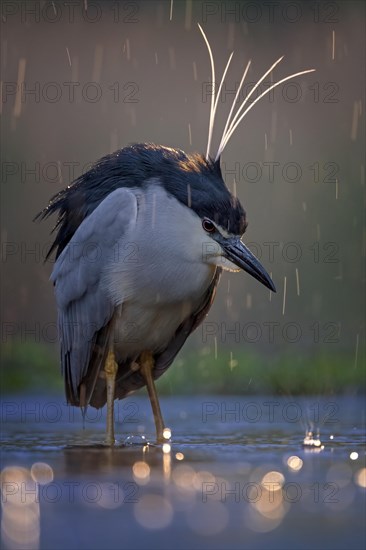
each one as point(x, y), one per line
point(147, 365)
point(110, 369)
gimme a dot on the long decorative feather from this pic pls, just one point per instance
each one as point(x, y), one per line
point(233, 122)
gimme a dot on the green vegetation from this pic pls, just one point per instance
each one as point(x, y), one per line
point(254, 374)
point(34, 368)
point(29, 367)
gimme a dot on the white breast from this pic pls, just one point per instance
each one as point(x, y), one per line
point(160, 277)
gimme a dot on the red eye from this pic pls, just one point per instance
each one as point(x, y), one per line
point(208, 225)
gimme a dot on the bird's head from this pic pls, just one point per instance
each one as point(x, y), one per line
point(219, 220)
point(226, 249)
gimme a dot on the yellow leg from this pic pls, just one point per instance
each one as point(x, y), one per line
point(110, 369)
point(147, 365)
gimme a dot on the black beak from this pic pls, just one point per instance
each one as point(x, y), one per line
point(241, 256)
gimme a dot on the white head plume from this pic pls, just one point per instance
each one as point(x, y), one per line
point(233, 121)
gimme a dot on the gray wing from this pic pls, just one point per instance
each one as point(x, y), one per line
point(85, 310)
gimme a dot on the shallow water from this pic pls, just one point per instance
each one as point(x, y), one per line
point(235, 474)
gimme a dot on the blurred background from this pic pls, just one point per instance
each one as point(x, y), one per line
point(80, 81)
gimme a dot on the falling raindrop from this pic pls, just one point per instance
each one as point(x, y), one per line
point(188, 18)
point(172, 60)
point(233, 362)
point(354, 126)
point(317, 232)
point(20, 83)
point(189, 133)
point(98, 63)
point(284, 295)
point(297, 282)
point(128, 52)
point(171, 10)
point(356, 350)
point(270, 292)
point(68, 55)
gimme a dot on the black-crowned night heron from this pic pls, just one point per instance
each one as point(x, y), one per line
point(142, 239)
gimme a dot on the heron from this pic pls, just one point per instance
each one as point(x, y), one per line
point(142, 239)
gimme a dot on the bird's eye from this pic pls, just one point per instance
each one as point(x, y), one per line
point(208, 226)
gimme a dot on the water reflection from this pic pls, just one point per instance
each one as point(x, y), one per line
point(20, 522)
point(212, 485)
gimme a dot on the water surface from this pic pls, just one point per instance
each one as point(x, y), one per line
point(235, 474)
